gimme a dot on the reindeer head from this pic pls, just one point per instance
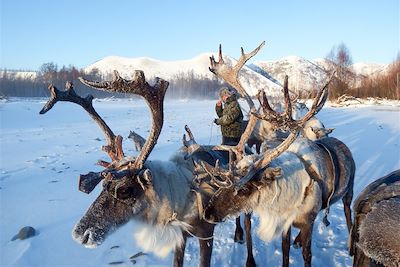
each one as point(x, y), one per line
point(127, 185)
point(119, 201)
point(321, 132)
point(231, 201)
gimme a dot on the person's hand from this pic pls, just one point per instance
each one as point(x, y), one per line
point(216, 121)
point(219, 103)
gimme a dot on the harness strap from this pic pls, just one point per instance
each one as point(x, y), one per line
point(200, 207)
point(335, 171)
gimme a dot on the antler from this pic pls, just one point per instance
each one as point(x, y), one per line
point(283, 120)
point(286, 120)
point(120, 167)
point(230, 75)
point(154, 96)
point(114, 143)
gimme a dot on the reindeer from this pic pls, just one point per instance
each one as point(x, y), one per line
point(300, 177)
point(137, 139)
point(375, 237)
point(266, 134)
point(157, 194)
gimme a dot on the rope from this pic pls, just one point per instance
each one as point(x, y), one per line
point(276, 192)
point(201, 238)
point(334, 170)
point(211, 132)
point(187, 226)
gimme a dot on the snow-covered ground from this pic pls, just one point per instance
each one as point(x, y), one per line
point(43, 155)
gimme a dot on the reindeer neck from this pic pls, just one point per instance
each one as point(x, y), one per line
point(172, 192)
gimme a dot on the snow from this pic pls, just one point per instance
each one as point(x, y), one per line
point(43, 155)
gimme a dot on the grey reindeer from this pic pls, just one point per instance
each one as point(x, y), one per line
point(298, 173)
point(266, 134)
point(137, 139)
point(375, 236)
point(157, 195)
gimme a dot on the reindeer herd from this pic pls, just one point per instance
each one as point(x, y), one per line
point(296, 171)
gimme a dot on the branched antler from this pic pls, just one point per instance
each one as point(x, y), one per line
point(231, 76)
point(114, 143)
point(120, 166)
point(286, 120)
point(154, 96)
point(283, 120)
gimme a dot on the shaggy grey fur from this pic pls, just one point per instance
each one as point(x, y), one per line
point(374, 236)
point(380, 232)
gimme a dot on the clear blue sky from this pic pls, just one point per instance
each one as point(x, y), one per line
point(81, 32)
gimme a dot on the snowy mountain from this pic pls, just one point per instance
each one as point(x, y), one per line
point(369, 69)
point(303, 74)
point(307, 75)
point(268, 75)
point(168, 70)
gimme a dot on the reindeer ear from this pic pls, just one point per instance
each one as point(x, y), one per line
point(197, 166)
point(270, 174)
point(329, 130)
point(184, 141)
point(145, 178)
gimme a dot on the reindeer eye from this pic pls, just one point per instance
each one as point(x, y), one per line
point(124, 193)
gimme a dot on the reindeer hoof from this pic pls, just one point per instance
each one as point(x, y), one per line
point(326, 222)
point(296, 245)
point(251, 262)
point(239, 238)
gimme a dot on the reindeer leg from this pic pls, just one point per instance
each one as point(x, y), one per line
point(205, 234)
point(306, 234)
point(297, 241)
point(250, 262)
point(238, 232)
point(286, 247)
point(206, 247)
point(348, 197)
point(258, 147)
point(180, 253)
point(360, 260)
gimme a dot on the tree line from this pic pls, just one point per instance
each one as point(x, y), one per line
point(190, 85)
point(346, 82)
point(383, 85)
point(182, 85)
point(12, 85)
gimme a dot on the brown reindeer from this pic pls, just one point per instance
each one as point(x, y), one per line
point(288, 184)
point(375, 235)
point(157, 194)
